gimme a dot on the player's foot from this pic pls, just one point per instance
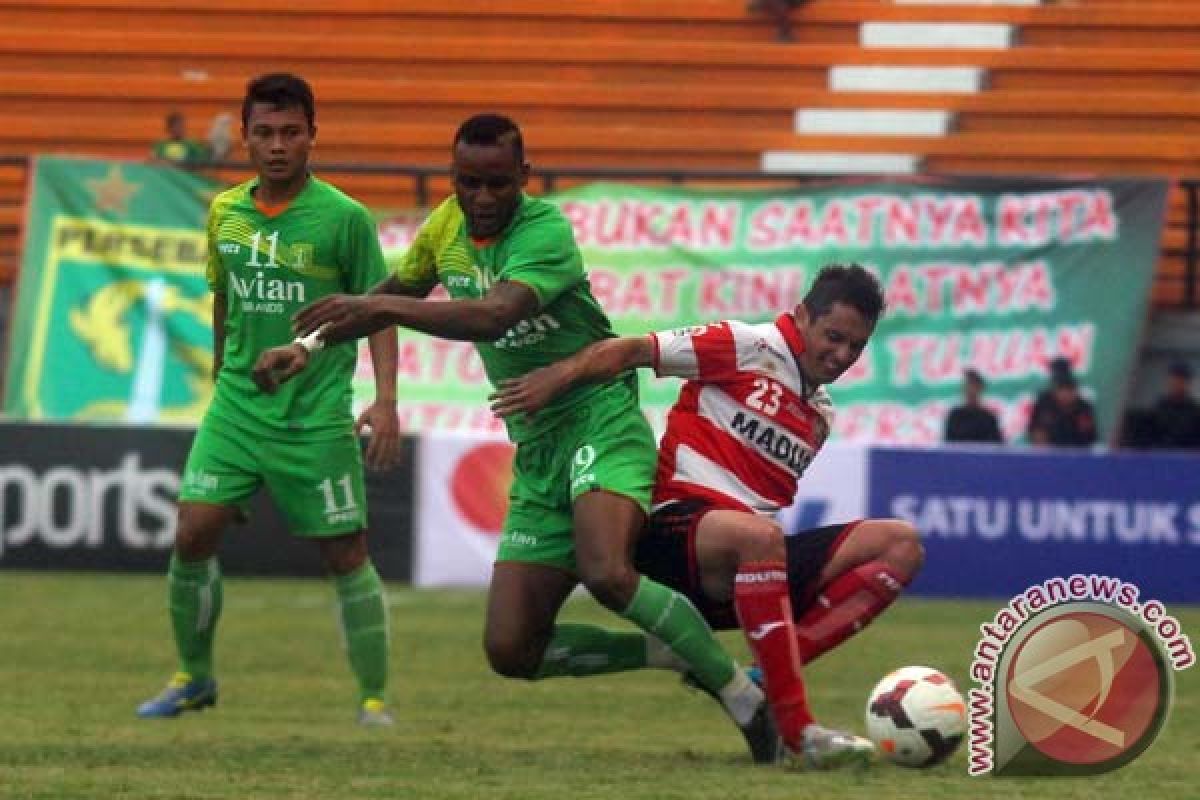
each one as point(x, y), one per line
point(826, 748)
point(762, 737)
point(373, 714)
point(182, 694)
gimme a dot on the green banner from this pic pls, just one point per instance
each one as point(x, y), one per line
point(113, 319)
point(1000, 275)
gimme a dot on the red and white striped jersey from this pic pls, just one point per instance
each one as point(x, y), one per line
point(745, 426)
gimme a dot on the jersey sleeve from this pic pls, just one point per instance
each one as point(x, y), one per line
point(364, 255)
point(703, 352)
point(214, 269)
point(417, 268)
point(544, 257)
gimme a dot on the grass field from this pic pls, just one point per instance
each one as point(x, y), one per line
point(78, 652)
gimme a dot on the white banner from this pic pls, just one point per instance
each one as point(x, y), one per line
point(462, 496)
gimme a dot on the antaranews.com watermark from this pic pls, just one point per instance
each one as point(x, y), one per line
point(1075, 678)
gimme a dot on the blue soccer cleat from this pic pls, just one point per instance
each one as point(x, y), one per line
point(182, 694)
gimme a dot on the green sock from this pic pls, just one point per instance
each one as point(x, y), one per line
point(672, 618)
point(580, 650)
point(194, 595)
point(365, 626)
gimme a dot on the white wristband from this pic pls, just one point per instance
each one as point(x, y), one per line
point(312, 343)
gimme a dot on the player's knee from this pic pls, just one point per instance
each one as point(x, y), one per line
point(194, 540)
point(344, 554)
point(904, 549)
point(613, 584)
point(760, 541)
point(512, 658)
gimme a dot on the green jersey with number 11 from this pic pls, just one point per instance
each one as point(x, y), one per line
point(269, 264)
point(537, 249)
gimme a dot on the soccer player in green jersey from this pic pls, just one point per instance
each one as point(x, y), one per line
point(584, 466)
point(275, 244)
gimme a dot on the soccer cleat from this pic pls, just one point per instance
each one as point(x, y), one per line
point(373, 714)
point(762, 737)
point(826, 748)
point(182, 694)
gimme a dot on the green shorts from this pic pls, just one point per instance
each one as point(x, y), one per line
point(607, 444)
point(316, 484)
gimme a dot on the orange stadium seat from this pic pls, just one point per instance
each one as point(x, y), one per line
point(1094, 86)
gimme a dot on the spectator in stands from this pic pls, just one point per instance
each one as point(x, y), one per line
point(1061, 416)
point(177, 148)
point(780, 12)
point(972, 421)
point(220, 137)
point(1177, 414)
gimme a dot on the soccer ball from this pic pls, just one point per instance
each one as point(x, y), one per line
point(916, 717)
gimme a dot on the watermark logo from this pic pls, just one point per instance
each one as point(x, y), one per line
point(1075, 678)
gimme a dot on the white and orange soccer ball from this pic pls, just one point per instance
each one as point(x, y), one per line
point(916, 717)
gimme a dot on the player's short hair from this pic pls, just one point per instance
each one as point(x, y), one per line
point(280, 90)
point(848, 284)
point(489, 130)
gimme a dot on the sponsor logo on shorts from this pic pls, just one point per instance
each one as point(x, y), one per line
point(200, 481)
point(520, 539)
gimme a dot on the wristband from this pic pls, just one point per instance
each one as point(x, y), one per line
point(311, 343)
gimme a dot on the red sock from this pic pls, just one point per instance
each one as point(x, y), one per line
point(846, 606)
point(760, 595)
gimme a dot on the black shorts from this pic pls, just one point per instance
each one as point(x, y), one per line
point(666, 553)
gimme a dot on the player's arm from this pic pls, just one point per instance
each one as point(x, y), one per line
point(392, 284)
point(341, 317)
point(598, 362)
point(380, 416)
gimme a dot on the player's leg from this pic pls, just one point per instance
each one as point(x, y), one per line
point(523, 600)
point(606, 527)
point(610, 475)
point(865, 570)
point(194, 583)
point(362, 612)
point(742, 557)
point(319, 487)
point(218, 477)
point(534, 573)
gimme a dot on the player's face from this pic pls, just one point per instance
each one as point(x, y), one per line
point(488, 180)
point(278, 141)
point(832, 341)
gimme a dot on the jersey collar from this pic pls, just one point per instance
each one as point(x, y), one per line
point(786, 324)
point(275, 210)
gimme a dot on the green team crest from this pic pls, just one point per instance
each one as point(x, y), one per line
point(113, 318)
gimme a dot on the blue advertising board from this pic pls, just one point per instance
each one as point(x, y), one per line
point(997, 521)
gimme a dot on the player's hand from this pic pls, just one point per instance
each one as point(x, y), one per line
point(384, 445)
point(340, 316)
point(277, 365)
point(529, 393)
